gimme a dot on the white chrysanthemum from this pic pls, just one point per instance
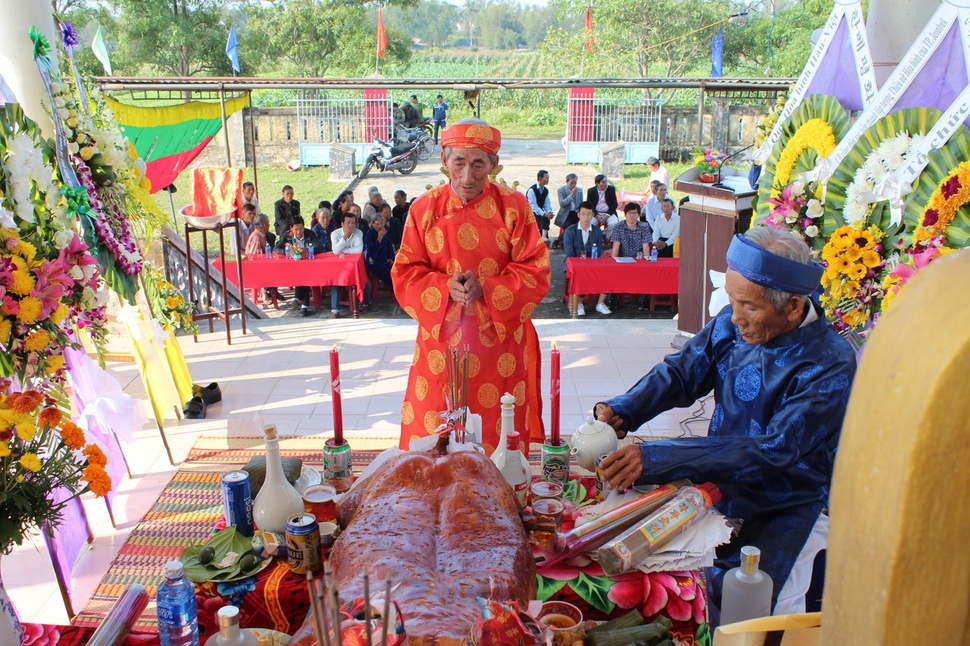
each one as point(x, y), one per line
point(854, 211)
point(52, 198)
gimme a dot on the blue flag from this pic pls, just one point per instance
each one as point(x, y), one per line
point(717, 53)
point(232, 49)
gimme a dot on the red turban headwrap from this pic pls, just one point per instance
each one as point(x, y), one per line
point(472, 135)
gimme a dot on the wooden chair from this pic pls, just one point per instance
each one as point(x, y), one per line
point(378, 289)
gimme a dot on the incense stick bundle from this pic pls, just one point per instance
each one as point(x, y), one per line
point(317, 612)
point(641, 505)
point(385, 618)
point(367, 634)
point(333, 597)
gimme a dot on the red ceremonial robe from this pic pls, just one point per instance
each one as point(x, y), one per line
point(495, 237)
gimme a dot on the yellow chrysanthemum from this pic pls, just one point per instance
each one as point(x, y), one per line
point(4, 450)
point(30, 461)
point(60, 314)
point(857, 272)
point(841, 241)
point(871, 258)
point(815, 134)
point(37, 341)
point(5, 327)
point(26, 431)
point(852, 254)
point(26, 250)
point(841, 264)
point(23, 282)
point(829, 253)
point(854, 318)
point(55, 363)
point(864, 239)
point(172, 302)
point(30, 309)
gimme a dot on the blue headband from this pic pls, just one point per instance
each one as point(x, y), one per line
point(768, 270)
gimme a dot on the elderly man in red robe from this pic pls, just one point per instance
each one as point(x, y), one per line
point(471, 270)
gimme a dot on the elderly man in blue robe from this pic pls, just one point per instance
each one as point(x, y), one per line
point(781, 378)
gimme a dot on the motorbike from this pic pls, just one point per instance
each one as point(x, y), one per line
point(427, 125)
point(417, 136)
point(403, 159)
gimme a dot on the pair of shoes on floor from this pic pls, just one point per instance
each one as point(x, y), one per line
point(306, 311)
point(580, 310)
point(557, 244)
point(210, 395)
point(296, 304)
point(367, 304)
point(334, 314)
point(194, 409)
point(603, 309)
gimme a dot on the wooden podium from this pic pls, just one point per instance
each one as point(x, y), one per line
point(707, 223)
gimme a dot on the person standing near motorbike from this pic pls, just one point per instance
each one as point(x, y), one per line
point(416, 113)
point(439, 112)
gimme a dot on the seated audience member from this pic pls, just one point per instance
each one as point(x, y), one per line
point(570, 196)
point(341, 205)
point(401, 206)
point(579, 240)
point(667, 230)
point(373, 206)
point(256, 244)
point(322, 227)
point(603, 198)
point(539, 202)
point(244, 228)
point(632, 237)
point(299, 237)
point(651, 210)
point(392, 225)
point(286, 209)
point(346, 239)
point(379, 252)
point(249, 195)
point(362, 222)
point(399, 116)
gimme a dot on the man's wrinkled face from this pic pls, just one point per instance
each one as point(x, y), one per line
point(668, 208)
point(248, 191)
point(603, 183)
point(376, 199)
point(469, 169)
point(288, 195)
point(571, 182)
point(399, 199)
point(756, 318)
point(661, 192)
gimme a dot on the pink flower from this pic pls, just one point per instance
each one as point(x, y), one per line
point(40, 634)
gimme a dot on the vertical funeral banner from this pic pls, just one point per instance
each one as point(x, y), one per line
point(840, 65)
point(934, 73)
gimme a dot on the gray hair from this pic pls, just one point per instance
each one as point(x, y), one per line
point(785, 244)
point(480, 122)
point(652, 160)
point(260, 220)
point(571, 176)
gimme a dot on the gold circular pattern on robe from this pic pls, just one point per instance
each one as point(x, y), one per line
point(488, 395)
point(518, 334)
point(434, 240)
point(527, 310)
point(468, 236)
point(502, 241)
point(502, 297)
point(542, 261)
point(486, 339)
point(506, 364)
point(436, 362)
point(455, 339)
point(431, 299)
point(453, 267)
point(407, 413)
point(528, 279)
point(421, 388)
point(410, 312)
point(435, 331)
point(417, 354)
point(519, 393)
point(403, 256)
point(511, 215)
point(487, 208)
point(425, 335)
point(530, 217)
point(487, 268)
point(474, 364)
point(500, 330)
point(431, 421)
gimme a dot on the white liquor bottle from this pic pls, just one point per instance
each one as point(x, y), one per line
point(746, 592)
point(277, 500)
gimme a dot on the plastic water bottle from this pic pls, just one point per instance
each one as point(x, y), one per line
point(310, 253)
point(594, 251)
point(178, 623)
point(746, 592)
point(653, 254)
point(269, 251)
point(287, 251)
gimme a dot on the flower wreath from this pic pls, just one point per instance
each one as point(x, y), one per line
point(853, 260)
point(816, 134)
point(951, 194)
point(888, 157)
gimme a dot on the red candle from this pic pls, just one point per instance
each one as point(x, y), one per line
point(338, 421)
point(554, 404)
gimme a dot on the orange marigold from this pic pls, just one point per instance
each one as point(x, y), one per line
point(72, 435)
point(95, 455)
point(25, 402)
point(98, 480)
point(49, 417)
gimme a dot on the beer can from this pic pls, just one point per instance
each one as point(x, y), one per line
point(237, 498)
point(555, 462)
point(601, 478)
point(337, 468)
point(303, 544)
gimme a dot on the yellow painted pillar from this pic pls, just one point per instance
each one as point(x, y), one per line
point(17, 55)
point(898, 562)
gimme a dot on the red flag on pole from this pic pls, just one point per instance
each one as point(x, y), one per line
point(381, 34)
point(589, 30)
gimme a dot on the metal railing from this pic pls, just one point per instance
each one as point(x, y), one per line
point(345, 121)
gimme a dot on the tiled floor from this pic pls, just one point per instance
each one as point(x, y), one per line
point(280, 371)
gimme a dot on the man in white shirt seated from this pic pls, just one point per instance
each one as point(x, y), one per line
point(603, 198)
point(651, 209)
point(346, 239)
point(666, 230)
point(539, 202)
point(658, 172)
point(579, 240)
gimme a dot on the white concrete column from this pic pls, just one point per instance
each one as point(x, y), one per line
point(892, 26)
point(17, 55)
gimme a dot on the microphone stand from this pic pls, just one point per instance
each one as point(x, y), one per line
point(718, 183)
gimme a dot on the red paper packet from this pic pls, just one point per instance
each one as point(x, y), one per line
point(503, 624)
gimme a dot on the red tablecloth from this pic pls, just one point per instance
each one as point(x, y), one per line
point(607, 275)
point(325, 270)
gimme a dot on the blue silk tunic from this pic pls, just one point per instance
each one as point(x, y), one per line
point(772, 438)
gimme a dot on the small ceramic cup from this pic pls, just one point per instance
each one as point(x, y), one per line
point(564, 620)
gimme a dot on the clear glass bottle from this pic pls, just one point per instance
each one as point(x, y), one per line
point(277, 500)
point(230, 634)
point(508, 425)
point(746, 592)
point(178, 623)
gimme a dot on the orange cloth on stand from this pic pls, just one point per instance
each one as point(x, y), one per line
point(495, 237)
point(216, 191)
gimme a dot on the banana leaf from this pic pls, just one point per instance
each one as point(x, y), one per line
point(228, 540)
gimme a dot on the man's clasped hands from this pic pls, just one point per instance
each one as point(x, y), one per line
point(465, 288)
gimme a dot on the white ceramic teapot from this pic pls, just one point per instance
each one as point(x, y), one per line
point(591, 440)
